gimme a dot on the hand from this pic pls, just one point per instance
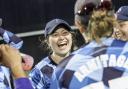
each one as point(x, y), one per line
point(11, 58)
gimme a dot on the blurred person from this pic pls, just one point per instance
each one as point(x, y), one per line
point(11, 58)
point(14, 41)
point(81, 18)
point(122, 17)
point(59, 38)
point(102, 63)
point(6, 81)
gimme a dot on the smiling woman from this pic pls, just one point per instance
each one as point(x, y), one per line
point(122, 17)
point(59, 39)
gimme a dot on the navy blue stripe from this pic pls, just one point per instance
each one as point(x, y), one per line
point(99, 50)
point(118, 43)
point(110, 73)
point(62, 65)
point(66, 79)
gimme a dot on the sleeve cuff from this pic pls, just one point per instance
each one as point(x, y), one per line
point(23, 83)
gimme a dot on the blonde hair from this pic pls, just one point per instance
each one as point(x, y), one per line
point(101, 24)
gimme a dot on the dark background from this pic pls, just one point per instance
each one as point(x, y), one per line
point(31, 15)
point(28, 15)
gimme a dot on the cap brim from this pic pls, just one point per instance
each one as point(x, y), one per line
point(63, 24)
point(122, 17)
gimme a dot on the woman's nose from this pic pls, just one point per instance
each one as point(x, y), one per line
point(61, 37)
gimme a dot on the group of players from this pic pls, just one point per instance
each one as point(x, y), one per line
point(101, 63)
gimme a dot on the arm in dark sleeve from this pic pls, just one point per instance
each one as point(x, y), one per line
point(23, 83)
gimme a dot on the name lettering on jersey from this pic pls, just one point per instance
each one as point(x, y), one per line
point(100, 62)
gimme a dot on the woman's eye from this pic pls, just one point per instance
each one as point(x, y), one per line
point(54, 35)
point(65, 33)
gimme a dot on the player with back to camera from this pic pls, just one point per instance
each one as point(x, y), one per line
point(16, 42)
point(102, 63)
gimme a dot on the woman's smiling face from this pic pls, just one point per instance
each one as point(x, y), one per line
point(124, 30)
point(60, 41)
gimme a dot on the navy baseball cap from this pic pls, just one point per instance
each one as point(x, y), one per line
point(122, 13)
point(53, 24)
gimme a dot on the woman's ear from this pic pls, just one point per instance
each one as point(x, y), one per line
point(47, 42)
point(77, 23)
point(81, 27)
